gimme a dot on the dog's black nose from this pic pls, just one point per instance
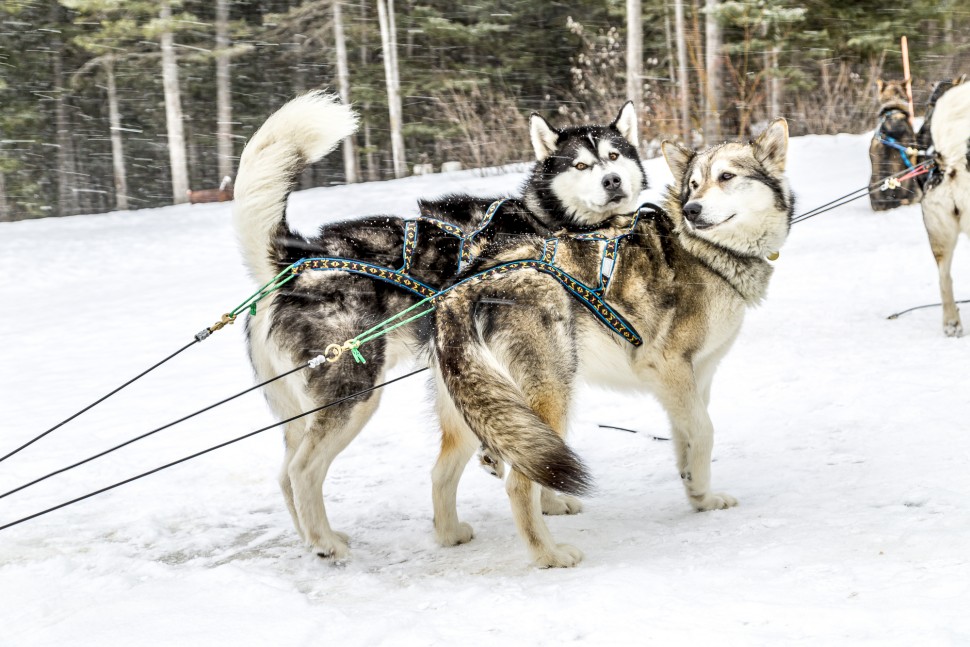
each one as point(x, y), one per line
point(692, 210)
point(612, 182)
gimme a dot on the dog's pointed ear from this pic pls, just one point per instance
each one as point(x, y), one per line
point(960, 79)
point(771, 147)
point(879, 85)
point(544, 137)
point(626, 123)
point(677, 158)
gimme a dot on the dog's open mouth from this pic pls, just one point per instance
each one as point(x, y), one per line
point(712, 225)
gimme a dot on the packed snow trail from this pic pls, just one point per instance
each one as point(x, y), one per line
point(843, 435)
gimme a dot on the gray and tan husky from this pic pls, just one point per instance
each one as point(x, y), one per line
point(582, 176)
point(946, 194)
point(506, 372)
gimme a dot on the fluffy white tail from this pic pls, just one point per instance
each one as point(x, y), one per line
point(951, 125)
point(300, 133)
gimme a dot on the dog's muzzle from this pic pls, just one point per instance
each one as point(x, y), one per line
point(613, 185)
point(692, 211)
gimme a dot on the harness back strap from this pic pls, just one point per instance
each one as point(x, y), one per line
point(395, 277)
point(586, 295)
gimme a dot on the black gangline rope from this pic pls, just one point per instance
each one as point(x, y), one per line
point(153, 431)
point(99, 400)
point(210, 449)
point(850, 197)
point(896, 315)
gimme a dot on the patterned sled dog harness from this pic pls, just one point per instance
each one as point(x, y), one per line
point(591, 297)
point(401, 277)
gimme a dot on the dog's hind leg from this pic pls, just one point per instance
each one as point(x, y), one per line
point(458, 443)
point(554, 503)
point(550, 402)
point(942, 219)
point(526, 510)
point(327, 434)
point(693, 435)
point(284, 479)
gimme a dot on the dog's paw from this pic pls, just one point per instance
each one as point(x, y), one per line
point(554, 503)
point(718, 501)
point(462, 534)
point(491, 463)
point(953, 328)
point(333, 547)
point(562, 556)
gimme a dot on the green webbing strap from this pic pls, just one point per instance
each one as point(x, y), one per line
point(333, 351)
point(272, 286)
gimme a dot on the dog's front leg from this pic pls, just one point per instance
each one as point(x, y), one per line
point(693, 436)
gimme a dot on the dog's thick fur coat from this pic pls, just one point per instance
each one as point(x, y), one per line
point(508, 352)
point(320, 308)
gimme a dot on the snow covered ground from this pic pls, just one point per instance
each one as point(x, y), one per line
point(843, 434)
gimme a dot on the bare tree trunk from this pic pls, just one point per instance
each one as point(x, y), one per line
point(173, 110)
point(712, 64)
point(634, 53)
point(67, 199)
point(343, 78)
point(775, 85)
point(385, 15)
point(4, 205)
point(223, 91)
point(681, 37)
point(372, 173)
point(671, 53)
point(117, 146)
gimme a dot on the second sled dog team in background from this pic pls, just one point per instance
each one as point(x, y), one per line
point(507, 354)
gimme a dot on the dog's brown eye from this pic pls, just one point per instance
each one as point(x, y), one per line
point(581, 167)
point(726, 176)
point(694, 184)
point(614, 156)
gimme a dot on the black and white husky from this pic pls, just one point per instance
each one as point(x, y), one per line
point(946, 194)
point(683, 278)
point(582, 176)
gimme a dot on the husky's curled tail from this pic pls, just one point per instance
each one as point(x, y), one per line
point(298, 134)
point(501, 415)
